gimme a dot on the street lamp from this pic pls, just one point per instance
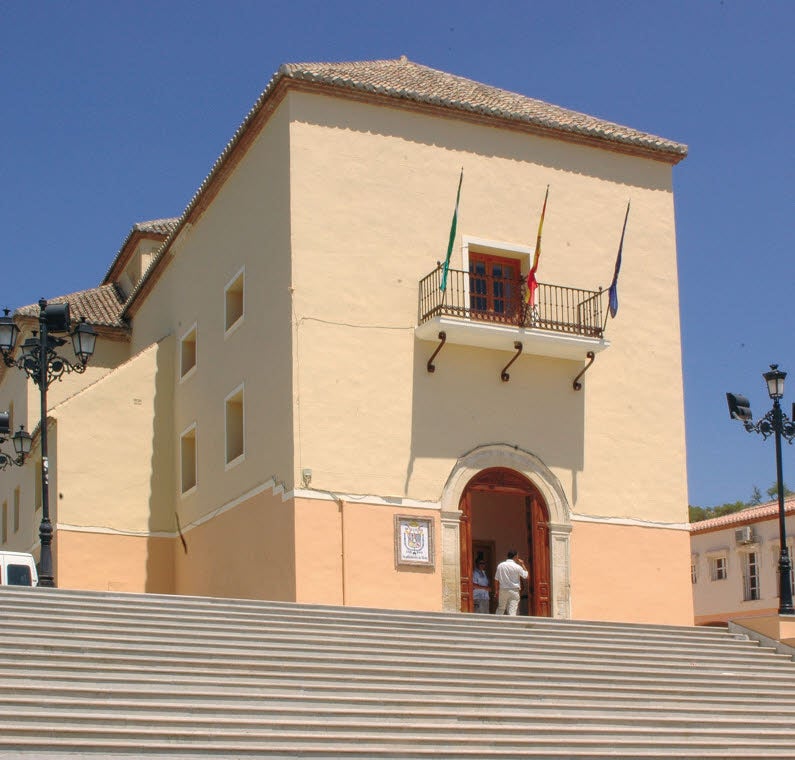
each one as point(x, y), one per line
point(40, 362)
point(777, 424)
point(21, 440)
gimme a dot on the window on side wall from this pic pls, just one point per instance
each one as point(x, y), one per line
point(234, 302)
point(187, 353)
point(751, 590)
point(235, 426)
point(187, 450)
point(718, 567)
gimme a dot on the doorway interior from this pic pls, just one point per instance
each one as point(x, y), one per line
point(502, 510)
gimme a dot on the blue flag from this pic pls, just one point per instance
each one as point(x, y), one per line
point(613, 291)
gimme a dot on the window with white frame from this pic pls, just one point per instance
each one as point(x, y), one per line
point(235, 426)
point(694, 569)
point(187, 451)
point(234, 301)
point(718, 567)
point(187, 353)
point(751, 590)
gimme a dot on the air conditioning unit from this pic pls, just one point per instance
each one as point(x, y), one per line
point(744, 535)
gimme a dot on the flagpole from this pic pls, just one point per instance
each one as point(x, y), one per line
point(612, 291)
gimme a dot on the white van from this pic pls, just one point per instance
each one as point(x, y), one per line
point(17, 569)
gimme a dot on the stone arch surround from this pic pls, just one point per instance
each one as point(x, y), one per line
point(529, 465)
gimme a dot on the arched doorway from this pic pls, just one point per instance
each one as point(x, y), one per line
point(501, 510)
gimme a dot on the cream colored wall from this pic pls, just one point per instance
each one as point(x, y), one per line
point(17, 388)
point(13, 390)
point(371, 419)
point(111, 451)
point(327, 531)
point(630, 574)
point(246, 226)
point(723, 600)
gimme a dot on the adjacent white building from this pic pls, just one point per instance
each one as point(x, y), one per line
point(734, 563)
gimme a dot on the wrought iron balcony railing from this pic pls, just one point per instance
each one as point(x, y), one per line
point(486, 298)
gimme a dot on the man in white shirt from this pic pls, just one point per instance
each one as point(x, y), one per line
point(507, 582)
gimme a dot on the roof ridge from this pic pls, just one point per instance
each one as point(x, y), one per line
point(769, 508)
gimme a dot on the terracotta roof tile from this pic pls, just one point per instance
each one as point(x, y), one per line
point(158, 226)
point(402, 78)
point(100, 306)
point(752, 514)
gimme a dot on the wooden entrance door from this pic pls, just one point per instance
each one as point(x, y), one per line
point(508, 482)
point(538, 602)
point(465, 549)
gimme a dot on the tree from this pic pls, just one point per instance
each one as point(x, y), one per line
point(756, 496)
point(772, 492)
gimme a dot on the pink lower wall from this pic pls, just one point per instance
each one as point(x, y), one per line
point(368, 577)
point(110, 562)
point(246, 552)
point(630, 574)
point(327, 552)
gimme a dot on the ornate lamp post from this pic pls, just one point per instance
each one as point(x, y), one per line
point(40, 362)
point(777, 424)
point(21, 440)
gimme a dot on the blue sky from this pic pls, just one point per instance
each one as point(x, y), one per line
point(113, 113)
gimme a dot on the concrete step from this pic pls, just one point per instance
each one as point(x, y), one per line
point(118, 675)
point(528, 715)
point(74, 627)
point(223, 689)
point(152, 645)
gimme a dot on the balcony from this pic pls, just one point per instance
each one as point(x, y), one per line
point(489, 311)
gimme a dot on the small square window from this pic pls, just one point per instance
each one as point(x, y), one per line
point(187, 356)
point(187, 449)
point(235, 427)
point(233, 301)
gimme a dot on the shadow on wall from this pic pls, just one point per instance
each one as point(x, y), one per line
point(464, 404)
point(160, 560)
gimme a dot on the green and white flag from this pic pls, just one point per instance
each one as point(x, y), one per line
point(443, 284)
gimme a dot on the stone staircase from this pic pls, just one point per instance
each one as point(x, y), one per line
point(99, 675)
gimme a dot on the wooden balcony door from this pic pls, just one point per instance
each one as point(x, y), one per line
point(495, 287)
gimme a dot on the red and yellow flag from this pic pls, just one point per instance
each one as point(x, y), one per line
point(532, 283)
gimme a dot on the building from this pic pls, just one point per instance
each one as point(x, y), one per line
point(734, 564)
point(285, 404)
